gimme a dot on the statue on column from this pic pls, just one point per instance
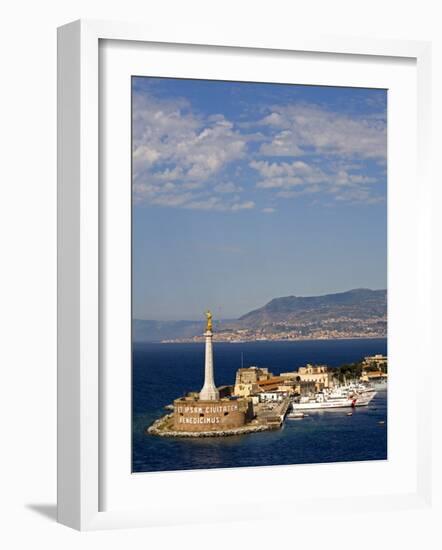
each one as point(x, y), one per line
point(209, 321)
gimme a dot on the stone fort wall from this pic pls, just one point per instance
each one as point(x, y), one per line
point(204, 416)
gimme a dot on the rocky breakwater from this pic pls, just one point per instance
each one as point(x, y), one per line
point(163, 427)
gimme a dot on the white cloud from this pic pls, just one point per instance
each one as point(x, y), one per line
point(283, 144)
point(345, 178)
point(310, 129)
point(228, 187)
point(298, 178)
point(174, 145)
point(272, 169)
point(246, 205)
point(283, 174)
point(181, 158)
point(358, 195)
point(172, 196)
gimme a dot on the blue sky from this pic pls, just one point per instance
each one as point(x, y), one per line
point(243, 192)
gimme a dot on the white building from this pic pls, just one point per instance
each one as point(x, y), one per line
point(272, 396)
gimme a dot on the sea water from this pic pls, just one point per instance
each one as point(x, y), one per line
point(163, 372)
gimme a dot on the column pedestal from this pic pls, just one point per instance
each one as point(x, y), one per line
point(209, 391)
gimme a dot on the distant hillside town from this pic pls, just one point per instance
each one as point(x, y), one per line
point(358, 313)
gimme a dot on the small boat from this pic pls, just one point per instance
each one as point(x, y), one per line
point(349, 414)
point(296, 415)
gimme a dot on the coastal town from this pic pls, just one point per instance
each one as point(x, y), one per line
point(260, 400)
point(358, 313)
point(328, 329)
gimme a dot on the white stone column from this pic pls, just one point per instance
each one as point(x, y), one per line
point(209, 391)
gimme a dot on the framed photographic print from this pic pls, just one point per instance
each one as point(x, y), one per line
point(258, 191)
point(239, 226)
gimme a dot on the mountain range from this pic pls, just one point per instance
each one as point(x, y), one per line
point(355, 313)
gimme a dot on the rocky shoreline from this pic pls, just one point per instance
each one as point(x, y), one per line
point(161, 427)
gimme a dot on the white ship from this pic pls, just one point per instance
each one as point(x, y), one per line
point(342, 397)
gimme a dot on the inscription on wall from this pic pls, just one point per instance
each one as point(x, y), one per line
point(206, 409)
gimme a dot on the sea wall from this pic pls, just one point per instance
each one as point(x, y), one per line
point(196, 415)
point(164, 427)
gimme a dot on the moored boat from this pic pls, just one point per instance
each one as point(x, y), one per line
point(296, 414)
point(341, 397)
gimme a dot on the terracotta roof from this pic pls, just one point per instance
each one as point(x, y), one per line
point(271, 381)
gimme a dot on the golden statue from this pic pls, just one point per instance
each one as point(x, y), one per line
point(209, 321)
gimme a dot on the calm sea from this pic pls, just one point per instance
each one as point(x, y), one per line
point(162, 372)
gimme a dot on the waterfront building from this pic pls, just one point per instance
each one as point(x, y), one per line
point(319, 375)
point(374, 368)
point(250, 375)
point(246, 390)
point(271, 384)
point(289, 386)
point(374, 375)
point(375, 362)
point(247, 380)
point(256, 385)
point(272, 396)
point(306, 388)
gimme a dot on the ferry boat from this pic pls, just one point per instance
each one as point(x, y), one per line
point(342, 397)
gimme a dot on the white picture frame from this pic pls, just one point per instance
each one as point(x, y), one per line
point(79, 261)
